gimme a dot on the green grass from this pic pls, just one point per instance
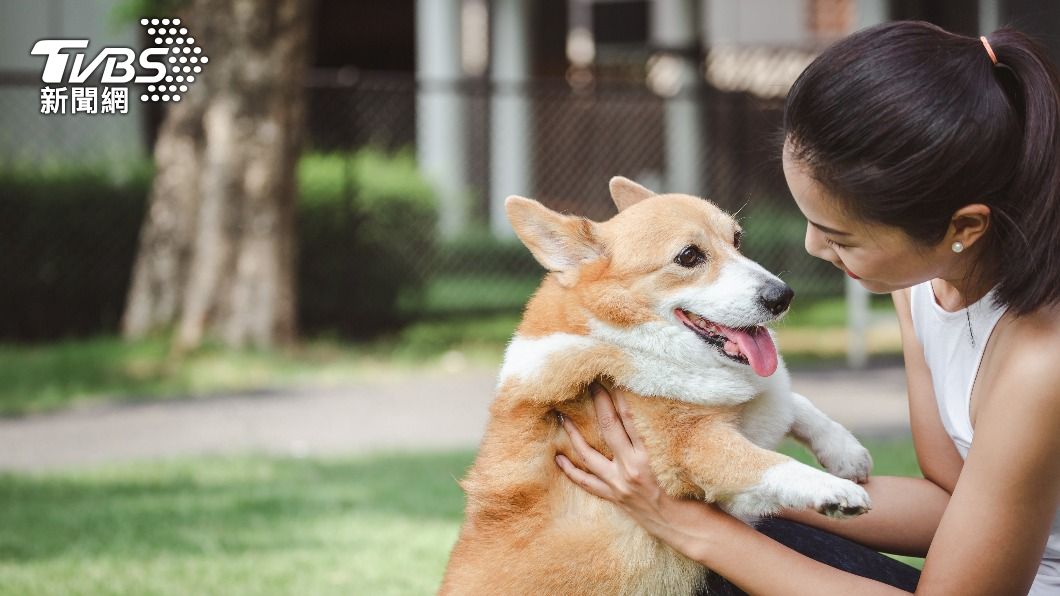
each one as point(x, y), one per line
point(38, 378)
point(44, 377)
point(379, 525)
point(447, 296)
point(484, 336)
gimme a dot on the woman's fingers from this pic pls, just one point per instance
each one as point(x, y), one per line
point(628, 479)
point(584, 479)
point(594, 460)
point(607, 417)
point(626, 415)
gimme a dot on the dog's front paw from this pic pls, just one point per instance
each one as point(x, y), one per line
point(842, 455)
point(793, 485)
point(842, 499)
point(853, 463)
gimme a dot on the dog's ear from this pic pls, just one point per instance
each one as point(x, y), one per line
point(561, 243)
point(626, 192)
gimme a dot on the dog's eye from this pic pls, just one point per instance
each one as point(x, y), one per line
point(690, 256)
point(737, 238)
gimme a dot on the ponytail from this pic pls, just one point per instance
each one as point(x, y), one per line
point(1027, 220)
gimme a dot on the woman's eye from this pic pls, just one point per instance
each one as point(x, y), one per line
point(690, 256)
point(736, 239)
point(835, 244)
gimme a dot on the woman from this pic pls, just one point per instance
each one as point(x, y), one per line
point(927, 165)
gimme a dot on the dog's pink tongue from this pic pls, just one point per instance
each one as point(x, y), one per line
point(758, 346)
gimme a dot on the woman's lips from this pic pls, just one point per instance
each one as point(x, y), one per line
point(845, 270)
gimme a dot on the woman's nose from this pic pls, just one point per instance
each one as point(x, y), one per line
point(815, 244)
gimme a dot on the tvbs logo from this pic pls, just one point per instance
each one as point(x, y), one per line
point(119, 64)
point(167, 68)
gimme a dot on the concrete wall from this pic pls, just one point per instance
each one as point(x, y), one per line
point(26, 135)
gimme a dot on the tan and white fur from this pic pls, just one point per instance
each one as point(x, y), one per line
point(619, 306)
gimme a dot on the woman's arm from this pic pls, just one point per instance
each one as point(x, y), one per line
point(905, 511)
point(990, 539)
point(755, 562)
point(905, 514)
point(699, 531)
point(938, 457)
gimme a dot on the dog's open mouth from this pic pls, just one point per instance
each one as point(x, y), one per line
point(748, 345)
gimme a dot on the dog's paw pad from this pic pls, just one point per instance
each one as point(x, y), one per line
point(829, 509)
point(837, 511)
point(848, 501)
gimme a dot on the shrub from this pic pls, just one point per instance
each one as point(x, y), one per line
point(366, 227)
point(478, 252)
point(69, 235)
point(476, 273)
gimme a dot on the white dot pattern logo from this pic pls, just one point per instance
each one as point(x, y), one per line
point(183, 53)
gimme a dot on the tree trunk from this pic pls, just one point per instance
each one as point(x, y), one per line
point(216, 255)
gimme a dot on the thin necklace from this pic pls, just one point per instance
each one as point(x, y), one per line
point(967, 315)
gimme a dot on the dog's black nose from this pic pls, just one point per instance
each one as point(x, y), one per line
point(776, 297)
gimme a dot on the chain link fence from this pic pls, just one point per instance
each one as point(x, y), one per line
point(578, 138)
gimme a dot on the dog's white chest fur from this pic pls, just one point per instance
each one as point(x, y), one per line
point(664, 363)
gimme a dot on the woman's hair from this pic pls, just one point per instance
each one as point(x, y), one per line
point(905, 123)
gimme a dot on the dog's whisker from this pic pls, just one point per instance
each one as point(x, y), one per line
point(737, 212)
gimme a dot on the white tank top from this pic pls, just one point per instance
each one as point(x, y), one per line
point(953, 350)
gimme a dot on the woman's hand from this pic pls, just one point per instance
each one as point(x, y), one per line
point(628, 480)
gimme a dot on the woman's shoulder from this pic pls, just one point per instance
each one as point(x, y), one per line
point(1016, 398)
point(1036, 330)
point(1029, 349)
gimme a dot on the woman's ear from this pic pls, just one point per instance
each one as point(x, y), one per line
point(969, 223)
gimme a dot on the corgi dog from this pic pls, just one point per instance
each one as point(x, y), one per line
point(657, 300)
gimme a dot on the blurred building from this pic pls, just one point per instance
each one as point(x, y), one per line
point(550, 98)
point(542, 98)
point(28, 136)
point(545, 98)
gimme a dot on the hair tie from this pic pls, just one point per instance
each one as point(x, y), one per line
point(989, 50)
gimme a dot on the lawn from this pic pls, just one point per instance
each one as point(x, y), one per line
point(36, 378)
point(378, 525)
point(48, 376)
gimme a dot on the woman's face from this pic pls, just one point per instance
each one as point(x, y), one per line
point(882, 258)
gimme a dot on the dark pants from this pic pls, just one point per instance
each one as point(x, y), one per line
point(830, 549)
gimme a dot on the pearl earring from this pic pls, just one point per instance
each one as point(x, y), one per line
point(957, 246)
